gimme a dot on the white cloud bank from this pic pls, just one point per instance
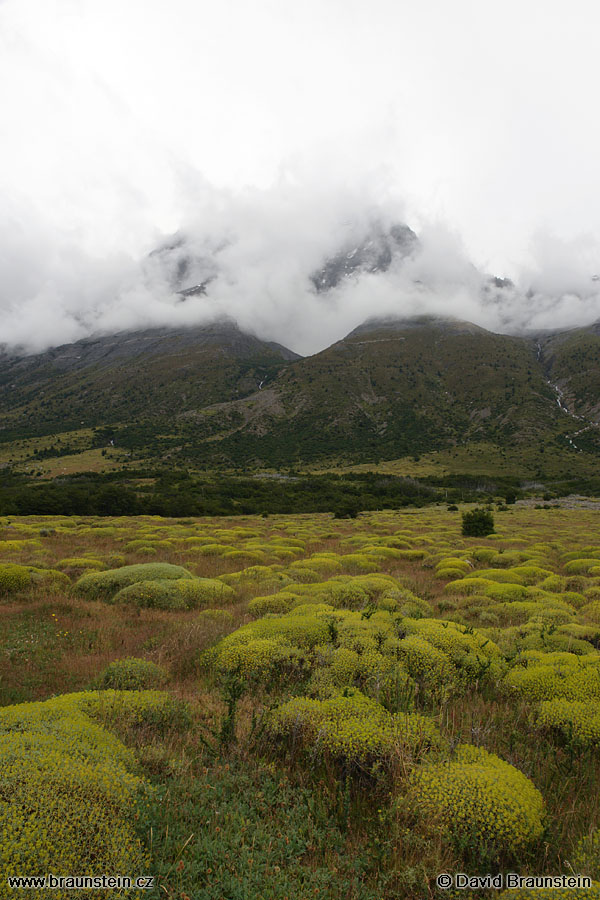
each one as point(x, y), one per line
point(307, 121)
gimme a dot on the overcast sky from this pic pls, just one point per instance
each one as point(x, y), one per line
point(124, 120)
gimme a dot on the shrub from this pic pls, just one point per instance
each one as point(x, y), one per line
point(299, 628)
point(499, 576)
point(215, 615)
point(577, 720)
point(273, 603)
point(263, 660)
point(591, 611)
point(587, 854)
point(154, 711)
point(357, 562)
point(104, 585)
point(467, 586)
point(80, 562)
point(472, 655)
point(506, 592)
point(159, 594)
point(69, 793)
point(201, 591)
point(558, 675)
point(353, 729)
point(179, 593)
point(582, 566)
point(132, 674)
point(13, 578)
point(453, 562)
point(477, 523)
point(425, 663)
point(479, 794)
point(592, 893)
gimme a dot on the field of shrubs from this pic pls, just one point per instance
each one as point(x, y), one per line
point(294, 707)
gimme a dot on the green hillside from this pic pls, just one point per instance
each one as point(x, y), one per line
point(437, 389)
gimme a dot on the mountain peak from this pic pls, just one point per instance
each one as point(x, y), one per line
point(374, 251)
point(391, 324)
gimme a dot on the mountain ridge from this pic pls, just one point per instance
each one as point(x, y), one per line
point(214, 395)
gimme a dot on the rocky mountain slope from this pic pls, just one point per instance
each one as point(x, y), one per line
point(214, 396)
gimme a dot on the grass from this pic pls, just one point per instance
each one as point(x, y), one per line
point(476, 458)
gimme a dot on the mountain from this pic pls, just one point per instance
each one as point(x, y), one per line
point(393, 388)
point(372, 252)
point(570, 360)
point(214, 396)
point(189, 268)
point(133, 376)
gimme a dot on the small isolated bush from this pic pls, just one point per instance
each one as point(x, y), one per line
point(104, 585)
point(477, 523)
point(132, 674)
point(13, 578)
point(480, 795)
point(346, 510)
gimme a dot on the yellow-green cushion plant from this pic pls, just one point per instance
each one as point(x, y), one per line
point(578, 721)
point(587, 855)
point(216, 615)
point(500, 576)
point(591, 612)
point(592, 893)
point(299, 628)
point(552, 675)
point(267, 661)
point(530, 573)
point(104, 585)
point(582, 567)
point(81, 562)
point(13, 579)
point(280, 602)
point(180, 593)
point(353, 729)
point(358, 562)
point(426, 664)
point(132, 674)
point(506, 592)
point(449, 572)
point(473, 585)
point(454, 562)
point(69, 795)
point(47, 577)
point(482, 796)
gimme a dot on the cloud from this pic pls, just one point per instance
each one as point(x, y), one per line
point(257, 249)
point(270, 139)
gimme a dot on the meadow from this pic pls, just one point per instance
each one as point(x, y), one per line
point(294, 707)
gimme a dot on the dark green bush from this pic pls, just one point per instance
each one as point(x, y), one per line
point(477, 523)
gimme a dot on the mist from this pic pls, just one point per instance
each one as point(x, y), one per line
point(256, 250)
point(259, 141)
